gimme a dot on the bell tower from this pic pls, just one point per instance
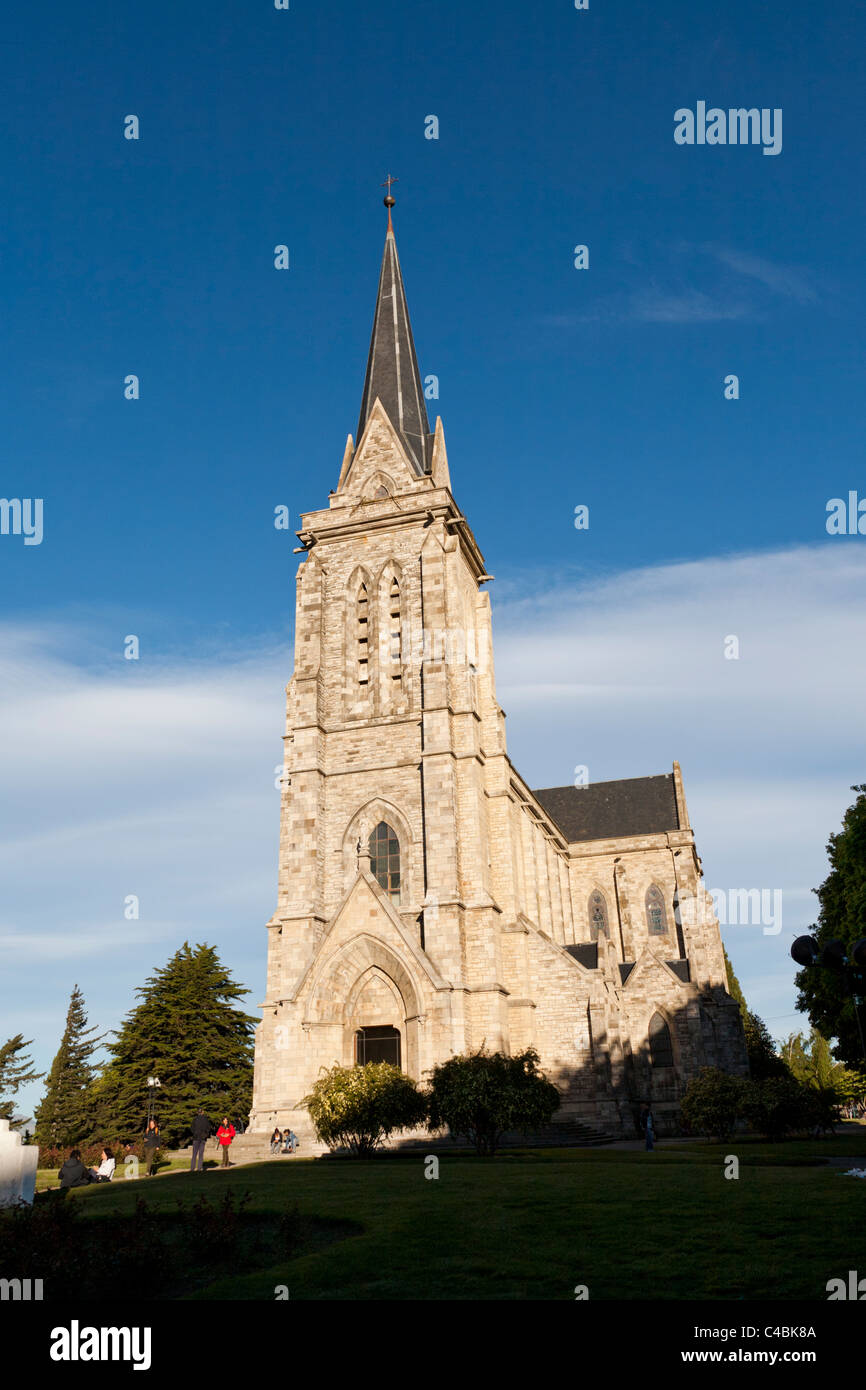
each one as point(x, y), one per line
point(391, 713)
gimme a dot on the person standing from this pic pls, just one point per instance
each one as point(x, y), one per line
point(151, 1146)
point(225, 1135)
point(650, 1129)
point(201, 1131)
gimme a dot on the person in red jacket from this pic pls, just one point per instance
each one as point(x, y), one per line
point(225, 1135)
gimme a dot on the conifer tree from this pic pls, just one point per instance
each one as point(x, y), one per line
point(66, 1113)
point(734, 988)
point(16, 1070)
point(186, 1032)
point(763, 1059)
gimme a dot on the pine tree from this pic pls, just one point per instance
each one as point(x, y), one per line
point(16, 1070)
point(186, 1032)
point(764, 1061)
point(65, 1115)
point(734, 988)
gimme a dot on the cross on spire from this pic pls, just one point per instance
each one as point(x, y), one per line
point(392, 366)
point(388, 200)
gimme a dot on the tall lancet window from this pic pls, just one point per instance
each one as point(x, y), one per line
point(656, 916)
point(385, 860)
point(661, 1047)
point(396, 635)
point(597, 916)
point(362, 624)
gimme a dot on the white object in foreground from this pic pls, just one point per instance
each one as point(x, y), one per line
point(17, 1167)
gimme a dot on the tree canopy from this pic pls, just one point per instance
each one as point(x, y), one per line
point(810, 1060)
point(823, 994)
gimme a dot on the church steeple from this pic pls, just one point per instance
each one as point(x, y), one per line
point(392, 367)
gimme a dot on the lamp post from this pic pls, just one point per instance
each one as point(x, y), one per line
point(851, 967)
point(153, 1084)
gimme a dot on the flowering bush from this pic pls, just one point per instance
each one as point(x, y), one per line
point(358, 1107)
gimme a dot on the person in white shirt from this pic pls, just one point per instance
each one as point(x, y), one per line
point(105, 1171)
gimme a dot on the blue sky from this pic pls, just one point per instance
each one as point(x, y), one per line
point(557, 387)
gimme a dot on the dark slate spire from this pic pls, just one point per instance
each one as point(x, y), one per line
point(392, 367)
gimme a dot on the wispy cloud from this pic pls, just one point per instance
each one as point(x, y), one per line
point(791, 282)
point(692, 306)
point(654, 304)
point(699, 284)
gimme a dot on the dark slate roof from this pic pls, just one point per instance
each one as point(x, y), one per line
point(392, 367)
point(606, 810)
point(586, 952)
point(681, 968)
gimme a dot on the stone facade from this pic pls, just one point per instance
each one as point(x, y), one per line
point(603, 953)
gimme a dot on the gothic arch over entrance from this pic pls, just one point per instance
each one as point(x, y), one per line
point(366, 985)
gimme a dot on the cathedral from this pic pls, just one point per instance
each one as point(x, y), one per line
point(431, 902)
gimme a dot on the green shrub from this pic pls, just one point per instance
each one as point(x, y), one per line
point(777, 1105)
point(485, 1095)
point(713, 1102)
point(358, 1107)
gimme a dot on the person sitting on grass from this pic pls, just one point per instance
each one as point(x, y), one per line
point(276, 1142)
point(73, 1173)
point(105, 1171)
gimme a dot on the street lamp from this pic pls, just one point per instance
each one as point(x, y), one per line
point(851, 966)
point(153, 1084)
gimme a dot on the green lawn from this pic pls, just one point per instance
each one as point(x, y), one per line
point(533, 1224)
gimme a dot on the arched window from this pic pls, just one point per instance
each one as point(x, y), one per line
point(385, 860)
point(377, 1045)
point(362, 635)
point(597, 916)
point(395, 629)
point(661, 1048)
point(656, 916)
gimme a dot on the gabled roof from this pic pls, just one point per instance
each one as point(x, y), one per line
point(392, 366)
point(607, 810)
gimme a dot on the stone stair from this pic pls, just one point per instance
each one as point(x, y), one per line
point(254, 1147)
point(567, 1133)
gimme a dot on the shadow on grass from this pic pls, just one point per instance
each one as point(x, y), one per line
point(168, 1254)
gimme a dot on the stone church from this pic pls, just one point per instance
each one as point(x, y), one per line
point(431, 901)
